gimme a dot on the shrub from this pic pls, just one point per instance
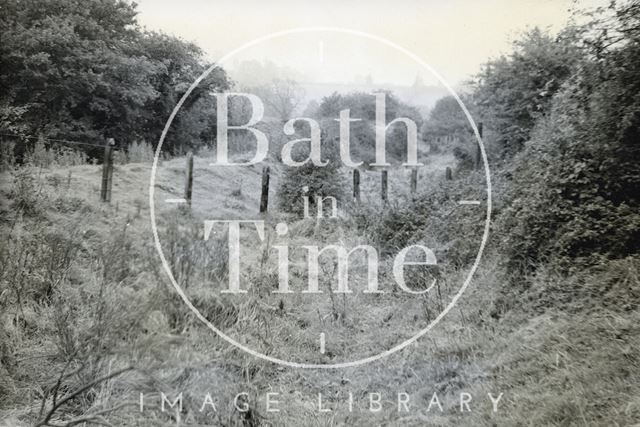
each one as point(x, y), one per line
point(433, 218)
point(318, 181)
point(577, 185)
point(27, 193)
point(41, 156)
point(513, 92)
point(197, 265)
point(140, 152)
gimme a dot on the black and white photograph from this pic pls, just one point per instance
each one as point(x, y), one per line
point(243, 213)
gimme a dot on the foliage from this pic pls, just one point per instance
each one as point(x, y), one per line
point(84, 71)
point(432, 218)
point(7, 159)
point(41, 156)
point(512, 92)
point(180, 63)
point(362, 106)
point(319, 181)
point(577, 184)
point(445, 119)
point(447, 130)
point(136, 152)
point(281, 98)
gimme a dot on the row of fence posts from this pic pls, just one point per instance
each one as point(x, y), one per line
point(107, 177)
point(384, 185)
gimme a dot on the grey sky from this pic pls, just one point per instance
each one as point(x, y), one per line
point(454, 37)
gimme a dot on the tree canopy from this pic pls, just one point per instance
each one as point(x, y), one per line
point(85, 70)
point(513, 91)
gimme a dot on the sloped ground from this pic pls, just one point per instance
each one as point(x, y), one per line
point(114, 307)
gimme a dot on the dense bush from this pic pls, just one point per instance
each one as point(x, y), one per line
point(514, 91)
point(318, 181)
point(433, 218)
point(577, 184)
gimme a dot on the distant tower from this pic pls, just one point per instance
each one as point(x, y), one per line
point(418, 83)
point(368, 80)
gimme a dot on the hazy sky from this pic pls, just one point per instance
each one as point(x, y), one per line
point(454, 37)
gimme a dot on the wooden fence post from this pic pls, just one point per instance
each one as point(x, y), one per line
point(383, 189)
point(107, 171)
point(188, 191)
point(414, 180)
point(110, 175)
point(478, 152)
point(448, 174)
point(356, 185)
point(264, 199)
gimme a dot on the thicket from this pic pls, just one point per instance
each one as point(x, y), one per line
point(310, 181)
point(562, 126)
point(574, 195)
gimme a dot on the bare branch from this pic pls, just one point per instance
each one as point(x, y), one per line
point(54, 408)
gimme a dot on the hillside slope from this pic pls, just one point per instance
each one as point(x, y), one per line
point(83, 289)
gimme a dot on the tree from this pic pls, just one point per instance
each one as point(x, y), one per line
point(180, 64)
point(362, 106)
point(513, 91)
point(447, 129)
point(84, 70)
point(281, 98)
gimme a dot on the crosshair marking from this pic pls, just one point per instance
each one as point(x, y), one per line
point(469, 202)
point(175, 200)
point(321, 342)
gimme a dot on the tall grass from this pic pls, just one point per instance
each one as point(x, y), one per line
point(136, 152)
point(42, 156)
point(7, 158)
